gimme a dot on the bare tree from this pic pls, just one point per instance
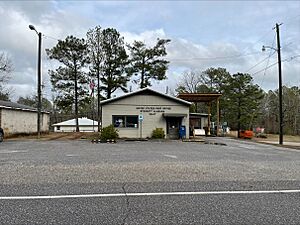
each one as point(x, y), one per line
point(5, 67)
point(5, 74)
point(192, 81)
point(94, 42)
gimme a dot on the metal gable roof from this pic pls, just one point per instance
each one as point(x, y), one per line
point(17, 106)
point(81, 121)
point(146, 90)
point(13, 105)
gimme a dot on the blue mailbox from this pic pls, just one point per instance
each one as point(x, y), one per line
point(182, 132)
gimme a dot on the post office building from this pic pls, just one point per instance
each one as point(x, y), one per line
point(138, 113)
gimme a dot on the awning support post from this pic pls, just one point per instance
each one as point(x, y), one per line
point(218, 116)
point(208, 125)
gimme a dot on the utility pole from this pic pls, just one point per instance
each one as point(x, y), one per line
point(280, 87)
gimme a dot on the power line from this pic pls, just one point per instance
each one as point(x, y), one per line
point(266, 68)
point(239, 55)
point(260, 62)
point(285, 60)
point(47, 36)
point(292, 18)
point(292, 58)
point(215, 58)
point(202, 58)
point(268, 59)
point(261, 38)
point(243, 54)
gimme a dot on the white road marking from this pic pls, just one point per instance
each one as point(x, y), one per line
point(147, 194)
point(171, 156)
point(13, 151)
point(247, 146)
point(70, 155)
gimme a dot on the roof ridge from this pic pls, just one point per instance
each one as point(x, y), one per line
point(145, 89)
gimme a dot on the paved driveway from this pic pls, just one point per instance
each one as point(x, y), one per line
point(77, 182)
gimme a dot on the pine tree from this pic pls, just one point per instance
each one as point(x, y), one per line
point(68, 79)
point(114, 62)
point(147, 63)
point(33, 100)
point(243, 98)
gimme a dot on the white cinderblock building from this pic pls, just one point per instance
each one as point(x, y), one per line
point(85, 125)
point(21, 119)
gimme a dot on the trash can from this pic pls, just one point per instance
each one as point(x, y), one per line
point(206, 131)
point(182, 132)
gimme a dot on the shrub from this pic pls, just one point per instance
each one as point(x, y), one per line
point(158, 133)
point(109, 132)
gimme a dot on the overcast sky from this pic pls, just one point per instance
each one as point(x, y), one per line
point(203, 34)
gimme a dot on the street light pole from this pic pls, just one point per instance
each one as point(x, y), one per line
point(39, 76)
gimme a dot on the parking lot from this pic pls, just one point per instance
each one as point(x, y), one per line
point(154, 182)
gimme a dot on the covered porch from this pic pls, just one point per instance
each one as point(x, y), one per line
point(173, 123)
point(207, 98)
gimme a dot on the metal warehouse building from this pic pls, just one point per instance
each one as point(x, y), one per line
point(138, 113)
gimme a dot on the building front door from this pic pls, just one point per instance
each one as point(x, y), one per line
point(173, 124)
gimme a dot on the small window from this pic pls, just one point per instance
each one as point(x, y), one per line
point(125, 121)
point(119, 121)
point(58, 128)
point(132, 121)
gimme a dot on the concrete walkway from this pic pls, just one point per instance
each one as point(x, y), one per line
point(287, 143)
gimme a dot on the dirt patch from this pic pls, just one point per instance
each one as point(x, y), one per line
point(56, 136)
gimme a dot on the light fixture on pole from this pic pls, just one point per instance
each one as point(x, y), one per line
point(280, 82)
point(39, 76)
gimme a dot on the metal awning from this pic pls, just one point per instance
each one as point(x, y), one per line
point(199, 97)
point(174, 115)
point(207, 98)
point(198, 115)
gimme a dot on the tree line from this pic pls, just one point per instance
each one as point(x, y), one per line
point(106, 63)
point(102, 56)
point(243, 105)
point(291, 110)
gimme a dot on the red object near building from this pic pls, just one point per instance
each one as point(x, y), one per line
point(246, 134)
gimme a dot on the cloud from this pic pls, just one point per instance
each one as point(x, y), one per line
point(186, 55)
point(203, 34)
point(149, 37)
point(32, 10)
point(21, 43)
point(183, 53)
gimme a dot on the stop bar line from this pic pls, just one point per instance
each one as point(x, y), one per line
point(147, 194)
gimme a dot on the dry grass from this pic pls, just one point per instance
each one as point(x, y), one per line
point(271, 137)
point(275, 137)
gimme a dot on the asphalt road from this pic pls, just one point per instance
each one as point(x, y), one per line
point(70, 179)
